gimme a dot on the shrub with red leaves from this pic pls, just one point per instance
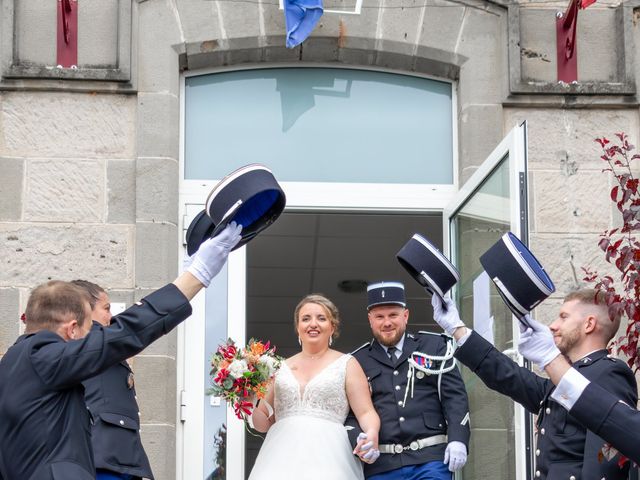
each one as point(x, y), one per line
point(620, 245)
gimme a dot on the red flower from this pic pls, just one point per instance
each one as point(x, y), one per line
point(228, 351)
point(240, 386)
point(242, 408)
point(223, 373)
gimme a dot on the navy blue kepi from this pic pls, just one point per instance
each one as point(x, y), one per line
point(428, 266)
point(250, 196)
point(386, 293)
point(519, 277)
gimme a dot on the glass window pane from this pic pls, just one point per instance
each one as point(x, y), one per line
point(320, 125)
point(215, 414)
point(481, 221)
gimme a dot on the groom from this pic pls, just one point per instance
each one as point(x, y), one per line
point(424, 419)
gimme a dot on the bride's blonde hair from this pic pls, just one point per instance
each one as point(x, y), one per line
point(329, 307)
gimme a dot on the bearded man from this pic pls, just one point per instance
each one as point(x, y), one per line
point(422, 402)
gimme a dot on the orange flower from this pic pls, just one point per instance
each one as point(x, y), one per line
point(257, 348)
point(261, 390)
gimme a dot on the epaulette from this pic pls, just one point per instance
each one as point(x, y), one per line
point(366, 344)
point(442, 334)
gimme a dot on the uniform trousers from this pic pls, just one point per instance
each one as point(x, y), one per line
point(107, 475)
point(426, 471)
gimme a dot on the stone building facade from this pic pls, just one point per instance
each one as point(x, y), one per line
point(89, 157)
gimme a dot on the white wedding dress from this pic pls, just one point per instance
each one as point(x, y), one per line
point(308, 441)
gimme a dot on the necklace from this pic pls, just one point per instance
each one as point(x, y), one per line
point(312, 357)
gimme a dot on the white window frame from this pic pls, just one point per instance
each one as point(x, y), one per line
point(301, 196)
point(357, 9)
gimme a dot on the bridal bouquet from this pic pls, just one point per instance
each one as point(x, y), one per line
point(241, 375)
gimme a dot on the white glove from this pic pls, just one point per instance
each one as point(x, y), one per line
point(212, 254)
point(446, 316)
point(455, 455)
point(536, 344)
point(522, 323)
point(371, 454)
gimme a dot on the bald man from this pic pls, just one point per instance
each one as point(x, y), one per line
point(565, 448)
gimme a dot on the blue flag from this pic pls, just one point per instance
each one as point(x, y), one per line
point(301, 17)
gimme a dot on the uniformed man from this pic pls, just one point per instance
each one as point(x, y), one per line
point(418, 394)
point(45, 424)
point(565, 449)
point(111, 397)
point(597, 409)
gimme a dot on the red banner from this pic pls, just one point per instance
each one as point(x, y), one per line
point(67, 37)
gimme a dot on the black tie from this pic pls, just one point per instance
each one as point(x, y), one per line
point(391, 351)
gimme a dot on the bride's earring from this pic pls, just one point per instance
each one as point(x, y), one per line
point(299, 341)
point(331, 340)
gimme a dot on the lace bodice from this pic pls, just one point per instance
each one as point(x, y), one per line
point(323, 397)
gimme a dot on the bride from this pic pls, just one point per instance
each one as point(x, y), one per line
point(311, 397)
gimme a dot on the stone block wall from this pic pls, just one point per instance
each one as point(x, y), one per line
point(89, 172)
point(57, 152)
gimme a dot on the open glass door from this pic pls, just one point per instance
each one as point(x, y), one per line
point(491, 202)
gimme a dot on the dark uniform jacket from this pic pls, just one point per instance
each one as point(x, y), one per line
point(616, 422)
point(565, 449)
point(44, 422)
point(115, 433)
point(424, 415)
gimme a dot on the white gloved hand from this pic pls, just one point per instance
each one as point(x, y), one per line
point(455, 455)
point(446, 316)
point(522, 324)
point(371, 456)
point(536, 344)
point(364, 451)
point(212, 254)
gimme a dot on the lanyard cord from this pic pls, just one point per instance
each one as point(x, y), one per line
point(413, 366)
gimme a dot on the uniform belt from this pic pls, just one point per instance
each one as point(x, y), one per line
point(415, 445)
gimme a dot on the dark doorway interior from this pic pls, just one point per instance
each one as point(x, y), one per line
point(335, 254)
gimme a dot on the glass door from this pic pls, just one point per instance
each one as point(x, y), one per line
point(491, 202)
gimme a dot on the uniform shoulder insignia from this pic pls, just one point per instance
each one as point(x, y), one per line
point(424, 332)
point(366, 344)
